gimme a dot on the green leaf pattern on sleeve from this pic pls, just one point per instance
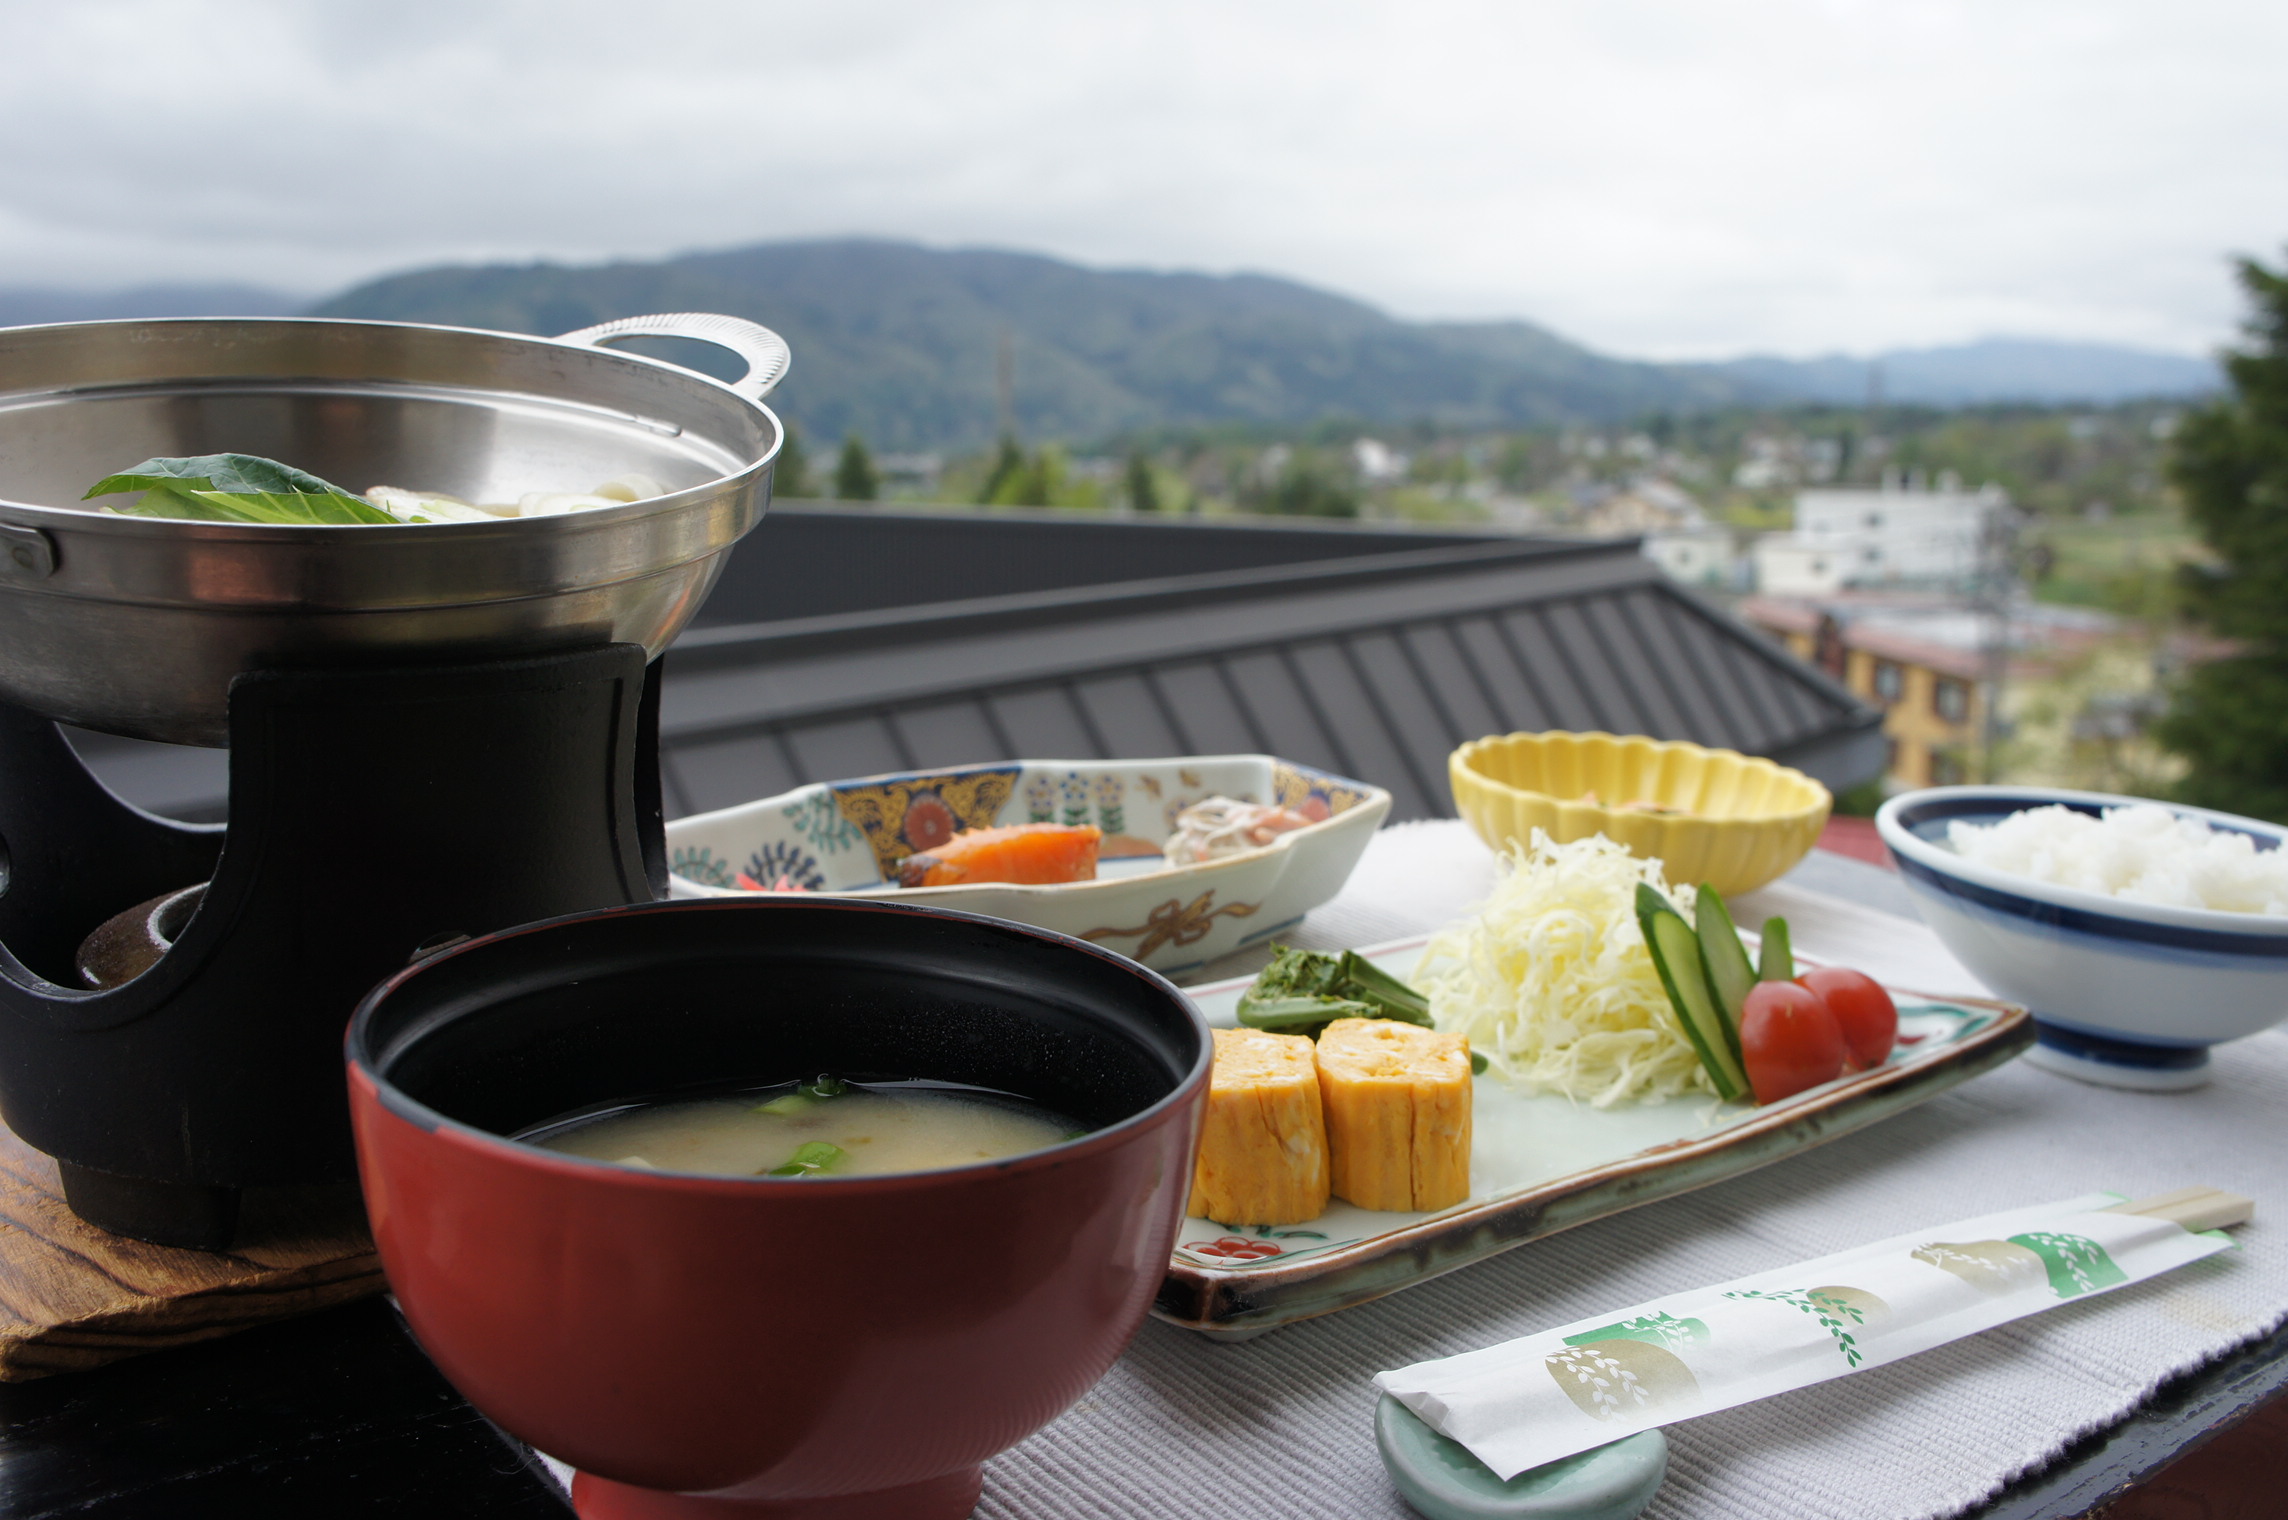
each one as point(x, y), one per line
point(2076, 1263)
point(1657, 1329)
point(1834, 1308)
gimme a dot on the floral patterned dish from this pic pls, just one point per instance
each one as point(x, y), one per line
point(848, 836)
point(1540, 1164)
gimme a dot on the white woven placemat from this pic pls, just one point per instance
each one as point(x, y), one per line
point(1184, 1428)
point(1282, 1426)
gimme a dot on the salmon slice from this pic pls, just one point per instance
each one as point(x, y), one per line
point(1028, 854)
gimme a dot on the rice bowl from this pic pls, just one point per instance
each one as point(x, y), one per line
point(2124, 993)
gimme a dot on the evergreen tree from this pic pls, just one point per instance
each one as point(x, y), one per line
point(854, 477)
point(1006, 464)
point(1305, 489)
point(2229, 718)
point(790, 477)
point(1037, 481)
point(1143, 494)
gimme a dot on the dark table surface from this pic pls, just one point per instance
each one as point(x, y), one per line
point(339, 1415)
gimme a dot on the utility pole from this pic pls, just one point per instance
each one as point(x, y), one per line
point(1874, 450)
point(1996, 592)
point(1005, 376)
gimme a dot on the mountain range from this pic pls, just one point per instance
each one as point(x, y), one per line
point(1988, 371)
point(22, 305)
point(904, 344)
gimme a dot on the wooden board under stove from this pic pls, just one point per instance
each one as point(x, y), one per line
point(73, 1296)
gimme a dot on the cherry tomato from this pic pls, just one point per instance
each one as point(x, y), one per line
point(1788, 1040)
point(1869, 1019)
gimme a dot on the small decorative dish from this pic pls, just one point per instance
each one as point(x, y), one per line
point(1543, 1163)
point(1717, 816)
point(846, 837)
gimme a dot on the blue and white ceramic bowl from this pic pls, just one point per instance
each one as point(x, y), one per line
point(2126, 994)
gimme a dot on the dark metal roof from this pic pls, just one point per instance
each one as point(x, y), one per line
point(1371, 665)
point(831, 648)
point(816, 559)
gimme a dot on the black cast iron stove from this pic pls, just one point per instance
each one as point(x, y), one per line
point(435, 730)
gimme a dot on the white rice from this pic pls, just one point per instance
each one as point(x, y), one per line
point(2141, 853)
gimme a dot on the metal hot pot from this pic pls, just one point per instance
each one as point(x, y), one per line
point(436, 731)
point(136, 625)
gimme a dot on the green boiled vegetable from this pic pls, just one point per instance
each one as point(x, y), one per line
point(1361, 978)
point(1301, 1015)
point(1721, 956)
point(1777, 962)
point(1675, 951)
point(243, 488)
point(1302, 991)
point(809, 1160)
point(805, 1095)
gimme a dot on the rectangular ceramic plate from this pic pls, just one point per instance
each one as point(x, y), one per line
point(1540, 1164)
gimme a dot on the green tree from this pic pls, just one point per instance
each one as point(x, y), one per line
point(1143, 493)
point(1008, 460)
point(1037, 481)
point(854, 475)
point(2229, 718)
point(790, 477)
point(1304, 489)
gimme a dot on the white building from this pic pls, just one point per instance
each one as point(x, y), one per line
point(1695, 556)
point(917, 473)
point(1768, 462)
point(1898, 535)
point(1788, 564)
point(1378, 463)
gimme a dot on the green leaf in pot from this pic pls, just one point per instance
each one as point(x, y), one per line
point(235, 488)
point(219, 472)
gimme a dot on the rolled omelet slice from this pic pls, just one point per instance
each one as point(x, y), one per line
point(1397, 1101)
point(1263, 1148)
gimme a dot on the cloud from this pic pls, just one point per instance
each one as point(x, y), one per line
point(1655, 176)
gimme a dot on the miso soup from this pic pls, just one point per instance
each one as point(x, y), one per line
point(825, 1127)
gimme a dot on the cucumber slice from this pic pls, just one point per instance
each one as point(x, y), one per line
point(1729, 974)
point(1777, 963)
point(1676, 956)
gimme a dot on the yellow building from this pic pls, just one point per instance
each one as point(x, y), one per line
point(1933, 697)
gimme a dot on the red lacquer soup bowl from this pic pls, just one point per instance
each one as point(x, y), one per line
point(830, 1348)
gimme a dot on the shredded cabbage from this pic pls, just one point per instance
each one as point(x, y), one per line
point(1551, 982)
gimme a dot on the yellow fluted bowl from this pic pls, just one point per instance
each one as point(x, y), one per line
point(1739, 820)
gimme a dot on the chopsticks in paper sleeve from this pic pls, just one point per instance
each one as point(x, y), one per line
point(1535, 1400)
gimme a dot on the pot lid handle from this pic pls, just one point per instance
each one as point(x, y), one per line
point(766, 353)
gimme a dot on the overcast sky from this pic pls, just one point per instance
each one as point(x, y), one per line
point(1670, 178)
